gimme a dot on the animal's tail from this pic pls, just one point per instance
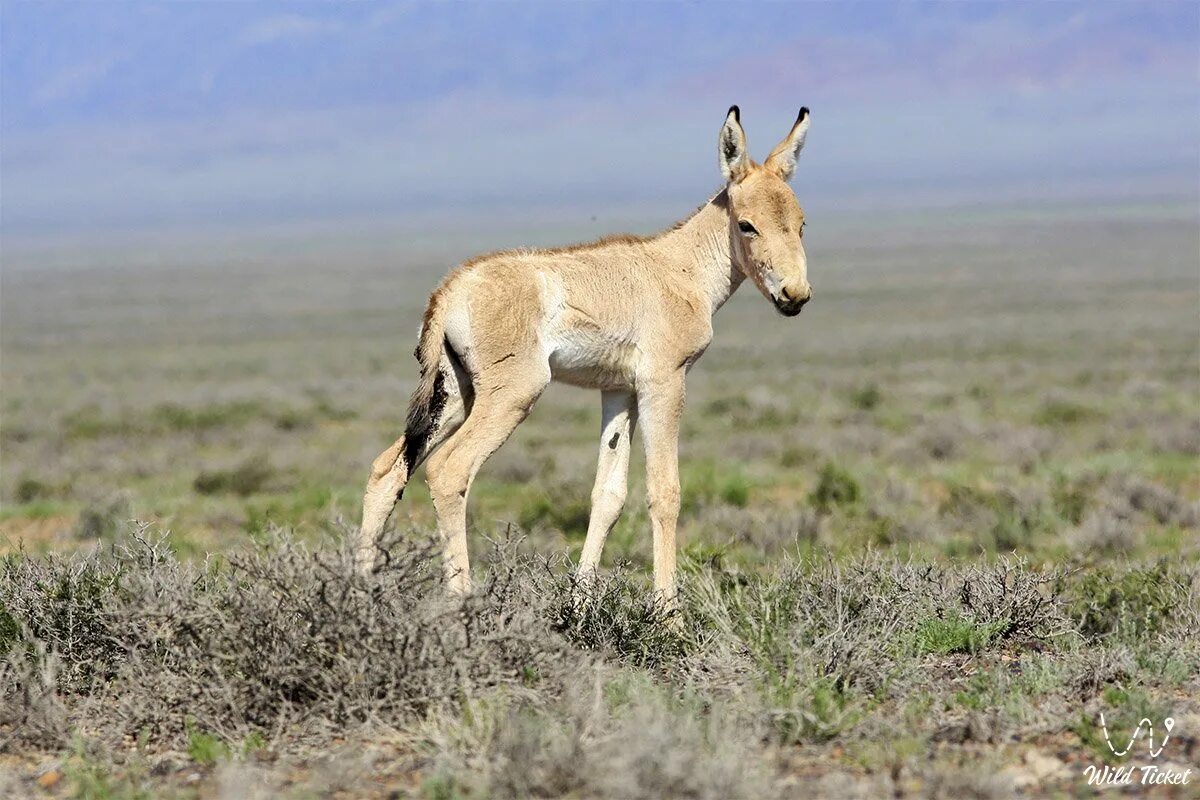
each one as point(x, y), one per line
point(391, 470)
point(428, 399)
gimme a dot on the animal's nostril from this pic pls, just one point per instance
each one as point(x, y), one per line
point(800, 296)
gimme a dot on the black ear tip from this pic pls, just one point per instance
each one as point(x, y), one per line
point(803, 114)
point(737, 113)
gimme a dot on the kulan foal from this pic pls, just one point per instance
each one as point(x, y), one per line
point(627, 315)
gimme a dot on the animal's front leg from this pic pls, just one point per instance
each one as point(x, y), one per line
point(660, 404)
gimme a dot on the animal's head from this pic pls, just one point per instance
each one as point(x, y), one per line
point(766, 225)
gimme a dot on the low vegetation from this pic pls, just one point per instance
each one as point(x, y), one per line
point(931, 529)
point(143, 665)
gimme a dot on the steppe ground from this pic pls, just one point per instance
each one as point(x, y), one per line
point(932, 528)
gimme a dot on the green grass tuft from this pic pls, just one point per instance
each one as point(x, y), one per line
point(247, 478)
point(206, 749)
point(835, 487)
point(951, 634)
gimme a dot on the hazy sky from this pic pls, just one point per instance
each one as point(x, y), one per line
point(132, 116)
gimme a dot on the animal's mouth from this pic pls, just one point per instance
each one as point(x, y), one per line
point(789, 308)
point(772, 287)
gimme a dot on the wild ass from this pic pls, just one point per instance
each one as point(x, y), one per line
point(627, 315)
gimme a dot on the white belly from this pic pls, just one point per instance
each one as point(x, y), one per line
point(593, 361)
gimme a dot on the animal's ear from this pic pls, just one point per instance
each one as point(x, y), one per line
point(782, 160)
point(731, 147)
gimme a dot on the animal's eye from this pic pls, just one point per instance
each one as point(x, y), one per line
point(748, 229)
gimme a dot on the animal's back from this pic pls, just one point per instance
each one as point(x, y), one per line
point(576, 308)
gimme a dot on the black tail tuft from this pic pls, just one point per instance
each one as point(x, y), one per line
point(424, 411)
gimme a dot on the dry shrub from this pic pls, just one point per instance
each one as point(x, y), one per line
point(1005, 517)
point(1182, 437)
point(1104, 531)
point(103, 519)
point(615, 616)
point(1120, 508)
point(1092, 670)
point(1012, 600)
point(516, 465)
point(768, 530)
point(282, 639)
point(967, 783)
point(31, 709)
point(860, 437)
point(1153, 501)
point(1134, 603)
point(898, 514)
point(611, 735)
point(1024, 447)
point(940, 438)
point(537, 686)
point(57, 605)
point(249, 477)
point(854, 624)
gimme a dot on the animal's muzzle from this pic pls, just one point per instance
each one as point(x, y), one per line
point(791, 306)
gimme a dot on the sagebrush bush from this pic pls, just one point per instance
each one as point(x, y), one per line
point(103, 519)
point(1135, 602)
point(282, 639)
point(610, 735)
point(539, 686)
point(247, 478)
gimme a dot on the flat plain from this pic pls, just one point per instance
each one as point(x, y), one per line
point(932, 528)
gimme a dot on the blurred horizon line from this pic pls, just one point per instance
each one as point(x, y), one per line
point(379, 238)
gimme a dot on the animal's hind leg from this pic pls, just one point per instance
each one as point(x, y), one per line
point(503, 400)
point(619, 416)
point(389, 476)
point(390, 472)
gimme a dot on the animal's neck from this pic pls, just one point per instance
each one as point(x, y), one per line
point(701, 246)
